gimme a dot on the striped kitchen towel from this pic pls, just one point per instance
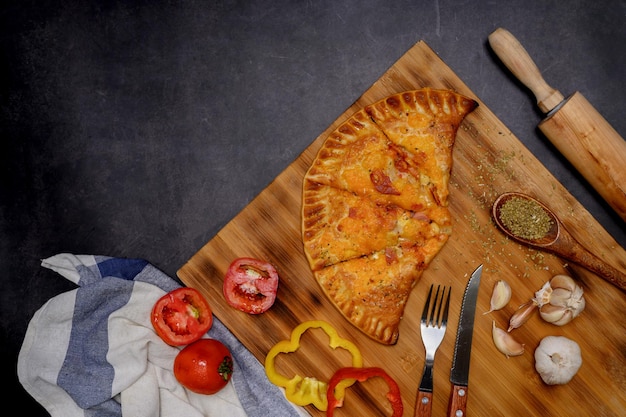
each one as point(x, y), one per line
point(92, 351)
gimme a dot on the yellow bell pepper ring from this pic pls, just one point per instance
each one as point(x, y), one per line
point(309, 390)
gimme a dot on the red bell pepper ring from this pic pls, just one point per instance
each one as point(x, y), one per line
point(363, 374)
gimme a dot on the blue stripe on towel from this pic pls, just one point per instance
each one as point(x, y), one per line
point(121, 268)
point(89, 345)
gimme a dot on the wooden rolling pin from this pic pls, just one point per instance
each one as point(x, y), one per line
point(577, 130)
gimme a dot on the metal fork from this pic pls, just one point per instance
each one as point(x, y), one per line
point(433, 328)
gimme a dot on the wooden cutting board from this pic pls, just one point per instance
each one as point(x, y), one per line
point(488, 160)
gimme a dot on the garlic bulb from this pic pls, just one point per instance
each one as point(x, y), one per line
point(500, 296)
point(505, 343)
point(560, 300)
point(557, 359)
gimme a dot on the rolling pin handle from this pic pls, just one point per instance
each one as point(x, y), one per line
point(516, 59)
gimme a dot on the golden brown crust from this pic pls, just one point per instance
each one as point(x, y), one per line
point(374, 211)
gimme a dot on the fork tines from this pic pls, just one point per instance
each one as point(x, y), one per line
point(439, 319)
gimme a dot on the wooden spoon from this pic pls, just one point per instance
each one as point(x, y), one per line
point(560, 242)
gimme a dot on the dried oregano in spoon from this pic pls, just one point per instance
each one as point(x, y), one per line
point(525, 218)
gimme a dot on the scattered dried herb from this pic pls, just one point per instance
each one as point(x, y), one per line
point(525, 218)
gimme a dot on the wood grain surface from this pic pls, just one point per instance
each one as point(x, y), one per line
point(488, 160)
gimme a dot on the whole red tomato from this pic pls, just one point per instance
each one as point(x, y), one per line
point(250, 285)
point(205, 366)
point(181, 316)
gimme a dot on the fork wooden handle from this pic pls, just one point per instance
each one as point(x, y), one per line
point(423, 404)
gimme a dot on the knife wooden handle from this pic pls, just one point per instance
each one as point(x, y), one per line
point(458, 401)
point(514, 56)
point(423, 404)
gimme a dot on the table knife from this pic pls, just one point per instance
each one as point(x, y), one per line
point(459, 374)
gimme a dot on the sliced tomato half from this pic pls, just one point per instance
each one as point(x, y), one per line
point(250, 285)
point(181, 316)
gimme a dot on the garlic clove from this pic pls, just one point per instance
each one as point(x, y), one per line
point(500, 296)
point(560, 296)
point(555, 314)
point(505, 343)
point(522, 315)
point(565, 318)
point(563, 281)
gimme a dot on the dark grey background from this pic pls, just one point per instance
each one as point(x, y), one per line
point(139, 129)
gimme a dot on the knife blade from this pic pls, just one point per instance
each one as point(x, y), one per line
point(459, 374)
